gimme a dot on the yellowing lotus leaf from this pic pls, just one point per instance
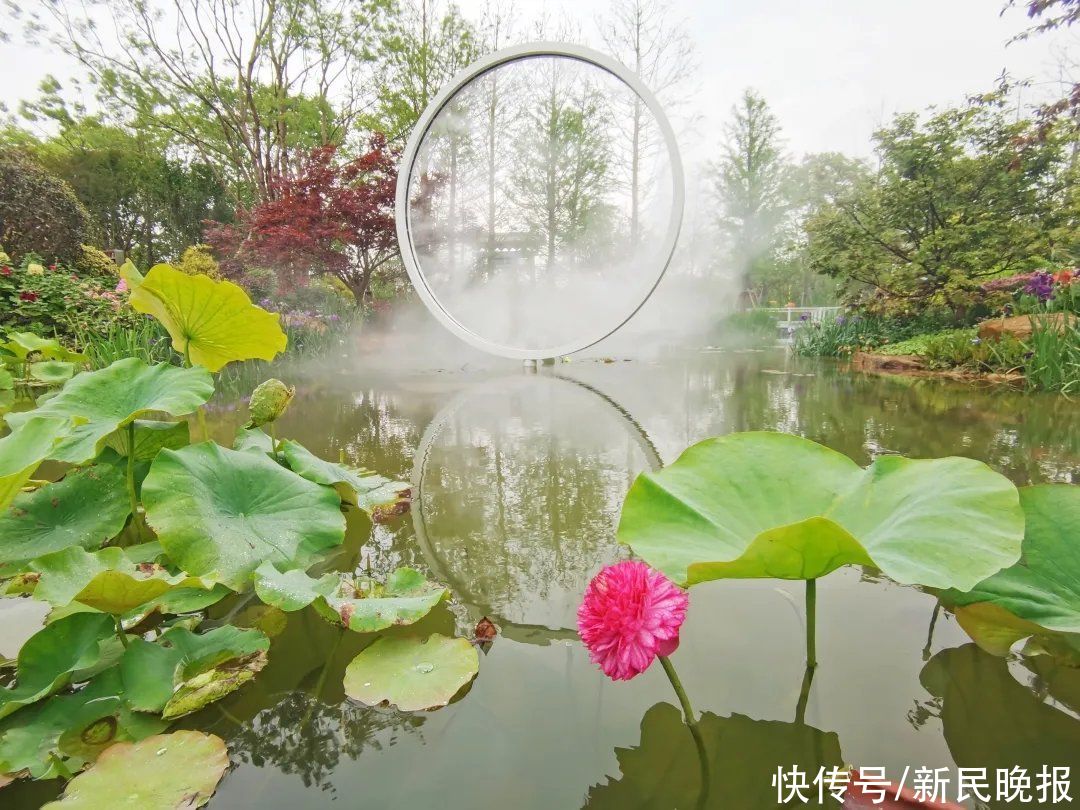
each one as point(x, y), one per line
point(212, 323)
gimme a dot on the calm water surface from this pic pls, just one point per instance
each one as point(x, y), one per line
point(518, 479)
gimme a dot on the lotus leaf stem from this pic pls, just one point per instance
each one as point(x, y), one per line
point(930, 632)
point(132, 495)
point(811, 623)
point(120, 631)
point(691, 720)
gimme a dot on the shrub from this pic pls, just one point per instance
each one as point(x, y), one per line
point(847, 334)
point(53, 300)
point(93, 261)
point(962, 349)
point(39, 212)
point(197, 260)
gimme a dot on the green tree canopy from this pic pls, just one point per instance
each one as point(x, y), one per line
point(960, 197)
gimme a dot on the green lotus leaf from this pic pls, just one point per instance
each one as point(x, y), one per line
point(7, 382)
point(86, 508)
point(71, 728)
point(292, 589)
point(212, 323)
point(993, 628)
point(411, 673)
point(180, 600)
point(163, 772)
point(183, 671)
point(268, 402)
point(743, 754)
point(24, 449)
point(50, 656)
point(253, 440)
point(52, 372)
point(357, 487)
point(151, 437)
point(100, 402)
point(105, 580)
point(221, 513)
point(1044, 587)
point(362, 604)
point(23, 344)
point(774, 505)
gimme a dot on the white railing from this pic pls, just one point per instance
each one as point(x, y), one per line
point(788, 319)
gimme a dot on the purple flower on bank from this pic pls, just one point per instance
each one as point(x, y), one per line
point(805, 316)
point(840, 320)
point(1041, 285)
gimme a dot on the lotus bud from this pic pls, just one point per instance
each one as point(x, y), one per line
point(269, 401)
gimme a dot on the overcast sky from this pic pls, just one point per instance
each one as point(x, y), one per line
point(832, 71)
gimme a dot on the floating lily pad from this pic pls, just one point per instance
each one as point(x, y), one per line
point(211, 322)
point(221, 513)
point(411, 674)
point(86, 508)
point(1044, 587)
point(105, 580)
point(151, 437)
point(52, 372)
point(356, 486)
point(72, 728)
point(292, 589)
point(102, 401)
point(49, 657)
point(363, 605)
point(164, 772)
point(182, 671)
point(22, 451)
point(774, 505)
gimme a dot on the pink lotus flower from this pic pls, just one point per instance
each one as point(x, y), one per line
point(122, 286)
point(630, 614)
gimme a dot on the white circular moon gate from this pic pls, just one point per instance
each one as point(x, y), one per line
point(405, 177)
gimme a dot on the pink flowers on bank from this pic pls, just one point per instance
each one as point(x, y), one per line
point(630, 615)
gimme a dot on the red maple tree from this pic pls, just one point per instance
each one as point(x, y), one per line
point(329, 218)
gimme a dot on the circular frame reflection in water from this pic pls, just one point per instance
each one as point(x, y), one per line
point(402, 216)
point(519, 631)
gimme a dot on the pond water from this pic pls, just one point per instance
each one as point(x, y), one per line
point(517, 483)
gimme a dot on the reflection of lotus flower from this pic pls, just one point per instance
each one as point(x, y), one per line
point(630, 614)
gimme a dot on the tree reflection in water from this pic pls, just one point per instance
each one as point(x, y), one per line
point(517, 489)
point(304, 736)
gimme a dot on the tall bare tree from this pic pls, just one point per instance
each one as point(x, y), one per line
point(645, 36)
point(242, 83)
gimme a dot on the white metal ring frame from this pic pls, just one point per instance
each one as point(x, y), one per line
point(408, 160)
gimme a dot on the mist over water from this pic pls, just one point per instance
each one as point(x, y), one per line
point(539, 203)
